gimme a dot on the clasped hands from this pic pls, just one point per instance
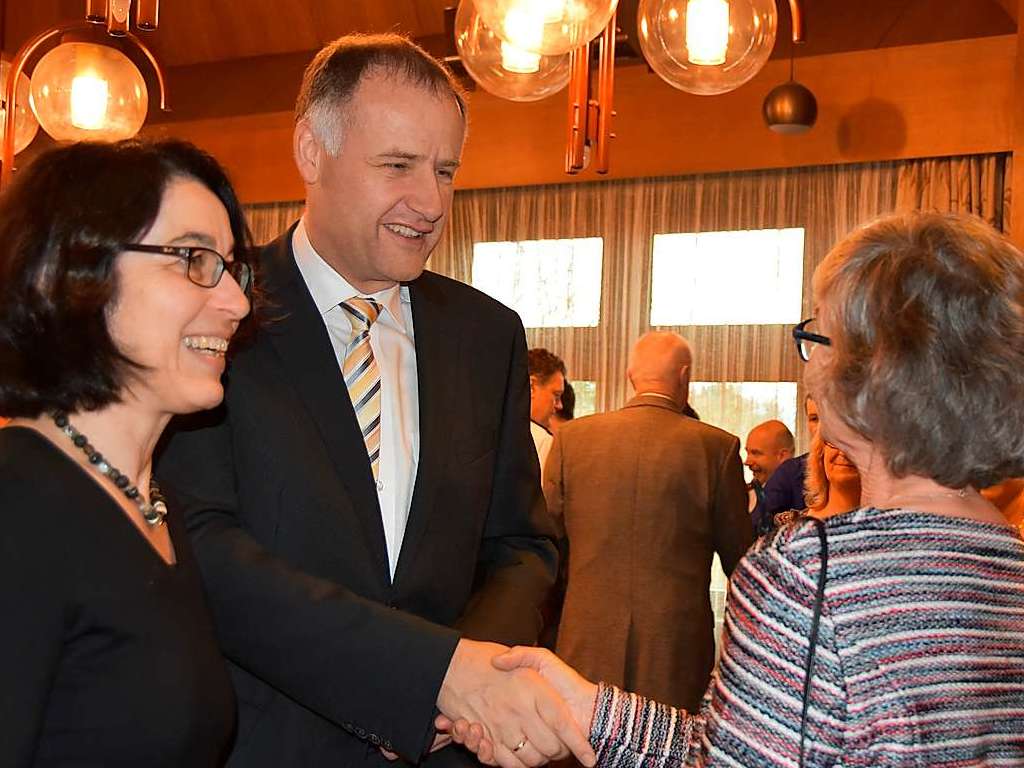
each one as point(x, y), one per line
point(515, 708)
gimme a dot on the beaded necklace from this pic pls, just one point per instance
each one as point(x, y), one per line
point(153, 511)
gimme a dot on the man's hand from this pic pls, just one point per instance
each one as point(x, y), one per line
point(519, 715)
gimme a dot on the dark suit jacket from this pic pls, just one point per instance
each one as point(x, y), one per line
point(284, 519)
point(646, 496)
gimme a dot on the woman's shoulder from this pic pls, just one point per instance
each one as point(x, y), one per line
point(799, 544)
point(879, 540)
point(24, 445)
point(792, 541)
point(30, 465)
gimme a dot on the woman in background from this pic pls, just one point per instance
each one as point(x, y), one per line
point(121, 285)
point(831, 483)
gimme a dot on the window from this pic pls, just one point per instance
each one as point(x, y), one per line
point(586, 397)
point(718, 593)
point(739, 406)
point(550, 283)
point(746, 277)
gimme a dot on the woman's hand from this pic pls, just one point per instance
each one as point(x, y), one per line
point(579, 693)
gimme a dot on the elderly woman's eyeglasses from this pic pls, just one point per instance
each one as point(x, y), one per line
point(805, 340)
point(205, 265)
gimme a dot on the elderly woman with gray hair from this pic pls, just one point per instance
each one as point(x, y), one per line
point(891, 634)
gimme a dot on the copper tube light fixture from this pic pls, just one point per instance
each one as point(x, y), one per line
point(118, 17)
point(590, 112)
point(147, 14)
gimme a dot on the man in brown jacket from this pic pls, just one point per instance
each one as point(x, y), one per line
point(646, 496)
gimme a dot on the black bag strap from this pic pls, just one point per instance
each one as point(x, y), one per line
point(819, 598)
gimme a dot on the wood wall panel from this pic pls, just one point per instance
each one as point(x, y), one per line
point(1016, 214)
point(914, 101)
point(256, 149)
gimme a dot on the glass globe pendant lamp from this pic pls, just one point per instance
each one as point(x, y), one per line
point(547, 27)
point(85, 91)
point(502, 69)
point(25, 124)
point(707, 47)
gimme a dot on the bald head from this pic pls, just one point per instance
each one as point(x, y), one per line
point(768, 445)
point(660, 362)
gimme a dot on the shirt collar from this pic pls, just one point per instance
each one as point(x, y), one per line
point(657, 394)
point(329, 289)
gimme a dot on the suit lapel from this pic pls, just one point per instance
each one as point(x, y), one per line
point(436, 353)
point(297, 334)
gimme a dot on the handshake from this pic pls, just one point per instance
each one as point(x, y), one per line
point(516, 707)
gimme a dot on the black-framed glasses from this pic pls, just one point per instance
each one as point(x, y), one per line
point(205, 265)
point(805, 340)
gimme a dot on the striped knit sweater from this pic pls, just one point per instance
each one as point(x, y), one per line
point(920, 658)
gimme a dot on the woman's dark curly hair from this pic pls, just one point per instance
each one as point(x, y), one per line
point(62, 223)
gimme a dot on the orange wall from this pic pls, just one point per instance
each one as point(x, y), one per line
point(915, 101)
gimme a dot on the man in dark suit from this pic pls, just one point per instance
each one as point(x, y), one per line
point(373, 453)
point(646, 496)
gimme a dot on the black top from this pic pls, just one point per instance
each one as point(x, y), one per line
point(107, 654)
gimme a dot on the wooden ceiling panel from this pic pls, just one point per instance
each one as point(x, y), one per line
point(205, 31)
point(198, 31)
point(194, 31)
point(926, 22)
point(336, 18)
point(201, 31)
point(838, 26)
point(1011, 7)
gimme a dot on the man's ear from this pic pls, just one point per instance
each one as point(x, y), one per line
point(308, 151)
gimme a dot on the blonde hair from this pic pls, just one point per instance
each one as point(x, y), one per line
point(815, 479)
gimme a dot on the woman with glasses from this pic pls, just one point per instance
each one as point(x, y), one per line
point(121, 286)
point(891, 634)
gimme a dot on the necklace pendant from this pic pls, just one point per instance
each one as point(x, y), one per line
point(153, 514)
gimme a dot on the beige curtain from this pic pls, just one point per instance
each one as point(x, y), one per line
point(268, 220)
point(977, 184)
point(826, 201)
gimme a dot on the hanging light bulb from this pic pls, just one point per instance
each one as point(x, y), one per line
point(706, 47)
point(502, 69)
point(547, 27)
point(524, 26)
point(90, 96)
point(25, 124)
point(707, 31)
point(83, 91)
point(518, 61)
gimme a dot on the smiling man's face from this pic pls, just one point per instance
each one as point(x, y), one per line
point(377, 209)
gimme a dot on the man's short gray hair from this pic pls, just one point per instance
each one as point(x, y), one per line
point(333, 76)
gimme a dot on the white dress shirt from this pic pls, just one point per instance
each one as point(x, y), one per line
point(542, 440)
point(392, 342)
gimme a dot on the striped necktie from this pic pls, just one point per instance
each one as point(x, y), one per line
point(362, 377)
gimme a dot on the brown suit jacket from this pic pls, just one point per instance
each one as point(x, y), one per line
point(645, 496)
